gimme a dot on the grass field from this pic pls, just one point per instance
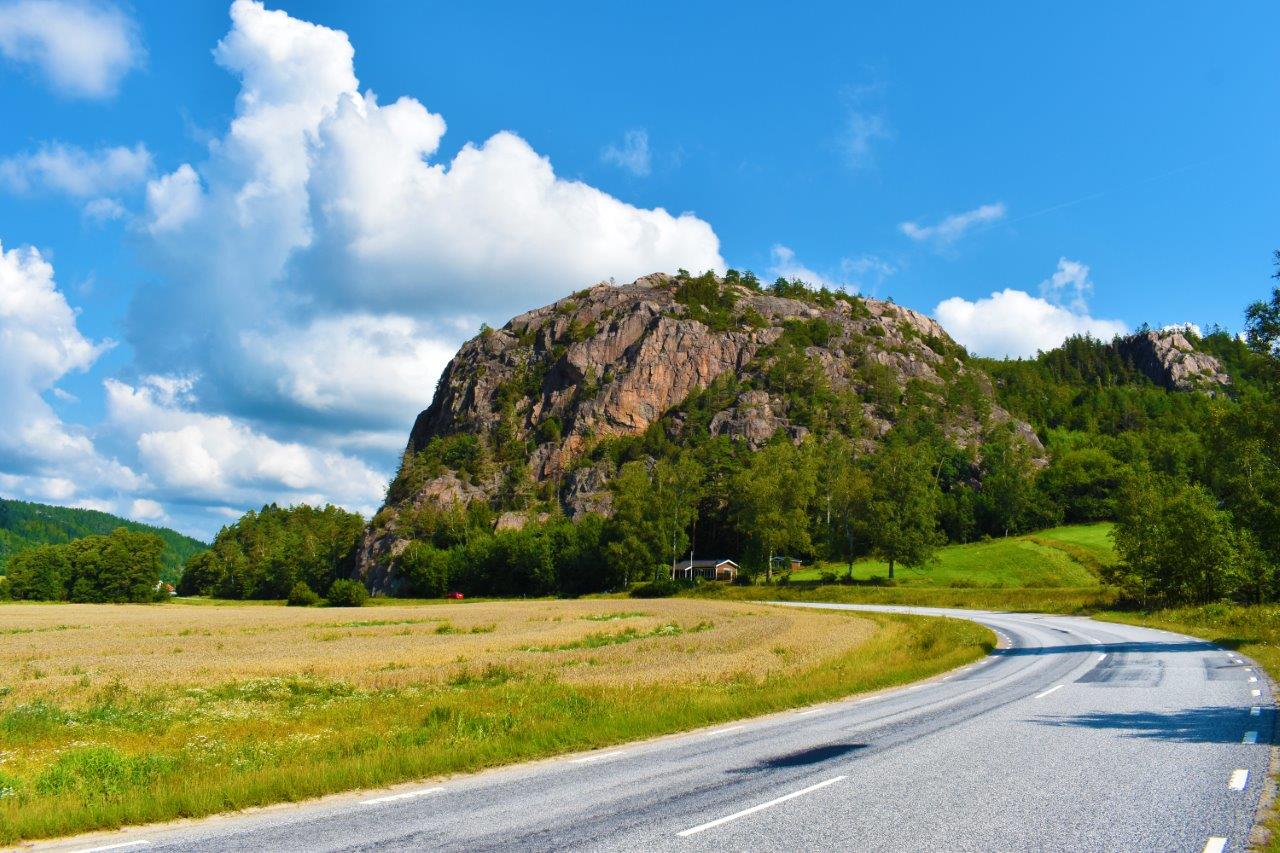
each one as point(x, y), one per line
point(1063, 557)
point(1081, 600)
point(113, 715)
point(1051, 571)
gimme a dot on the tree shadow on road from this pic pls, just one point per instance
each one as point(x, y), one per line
point(804, 757)
point(1109, 648)
point(1211, 724)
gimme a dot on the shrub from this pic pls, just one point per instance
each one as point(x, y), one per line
point(663, 588)
point(303, 596)
point(347, 593)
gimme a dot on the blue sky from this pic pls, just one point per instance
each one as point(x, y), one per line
point(231, 275)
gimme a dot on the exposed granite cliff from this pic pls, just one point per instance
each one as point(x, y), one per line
point(542, 395)
point(1169, 359)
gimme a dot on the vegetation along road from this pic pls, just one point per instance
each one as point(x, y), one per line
point(1157, 741)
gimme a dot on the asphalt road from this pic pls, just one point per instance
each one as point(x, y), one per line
point(1075, 735)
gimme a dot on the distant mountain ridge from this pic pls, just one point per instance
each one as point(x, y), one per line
point(25, 525)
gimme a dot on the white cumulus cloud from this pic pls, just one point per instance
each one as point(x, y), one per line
point(145, 509)
point(223, 460)
point(311, 277)
point(320, 267)
point(76, 172)
point(41, 456)
point(1015, 324)
point(955, 226)
point(83, 48)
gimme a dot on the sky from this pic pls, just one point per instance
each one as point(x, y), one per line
point(239, 242)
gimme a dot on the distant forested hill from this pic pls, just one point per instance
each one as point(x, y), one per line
point(23, 525)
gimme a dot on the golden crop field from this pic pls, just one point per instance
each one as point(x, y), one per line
point(124, 714)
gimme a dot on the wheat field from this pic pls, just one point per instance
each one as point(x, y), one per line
point(127, 714)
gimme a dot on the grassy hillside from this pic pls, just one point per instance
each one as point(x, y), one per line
point(1054, 571)
point(24, 525)
point(1060, 557)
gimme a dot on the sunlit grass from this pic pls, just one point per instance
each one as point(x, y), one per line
point(1062, 557)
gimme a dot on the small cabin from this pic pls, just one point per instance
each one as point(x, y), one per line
point(714, 570)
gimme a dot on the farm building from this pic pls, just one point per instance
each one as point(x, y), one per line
point(716, 570)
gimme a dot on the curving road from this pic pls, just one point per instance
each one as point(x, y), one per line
point(1073, 735)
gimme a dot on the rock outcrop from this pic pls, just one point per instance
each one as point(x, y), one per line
point(1170, 360)
point(531, 405)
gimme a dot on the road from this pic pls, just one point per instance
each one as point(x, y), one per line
point(1074, 735)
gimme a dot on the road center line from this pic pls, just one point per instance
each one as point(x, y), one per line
point(1239, 779)
point(407, 795)
point(587, 759)
point(736, 815)
point(1050, 690)
point(1215, 845)
point(1250, 737)
point(123, 845)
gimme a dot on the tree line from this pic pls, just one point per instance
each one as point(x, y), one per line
point(123, 566)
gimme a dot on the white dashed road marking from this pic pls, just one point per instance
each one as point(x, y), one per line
point(587, 759)
point(1050, 690)
point(1215, 845)
point(1255, 711)
point(407, 795)
point(1250, 737)
point(1239, 779)
point(720, 821)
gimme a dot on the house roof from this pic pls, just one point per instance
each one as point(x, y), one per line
point(708, 564)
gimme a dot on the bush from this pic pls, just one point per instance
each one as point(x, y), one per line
point(303, 596)
point(656, 589)
point(347, 593)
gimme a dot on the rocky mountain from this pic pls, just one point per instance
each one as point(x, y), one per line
point(1167, 358)
point(524, 416)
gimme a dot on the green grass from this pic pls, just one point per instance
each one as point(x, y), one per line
point(1079, 600)
point(1063, 557)
point(1050, 571)
point(138, 757)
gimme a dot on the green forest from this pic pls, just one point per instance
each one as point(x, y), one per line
point(123, 566)
point(24, 525)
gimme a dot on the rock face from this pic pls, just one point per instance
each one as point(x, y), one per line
point(1169, 359)
point(544, 394)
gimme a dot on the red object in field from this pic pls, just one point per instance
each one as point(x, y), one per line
point(457, 596)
